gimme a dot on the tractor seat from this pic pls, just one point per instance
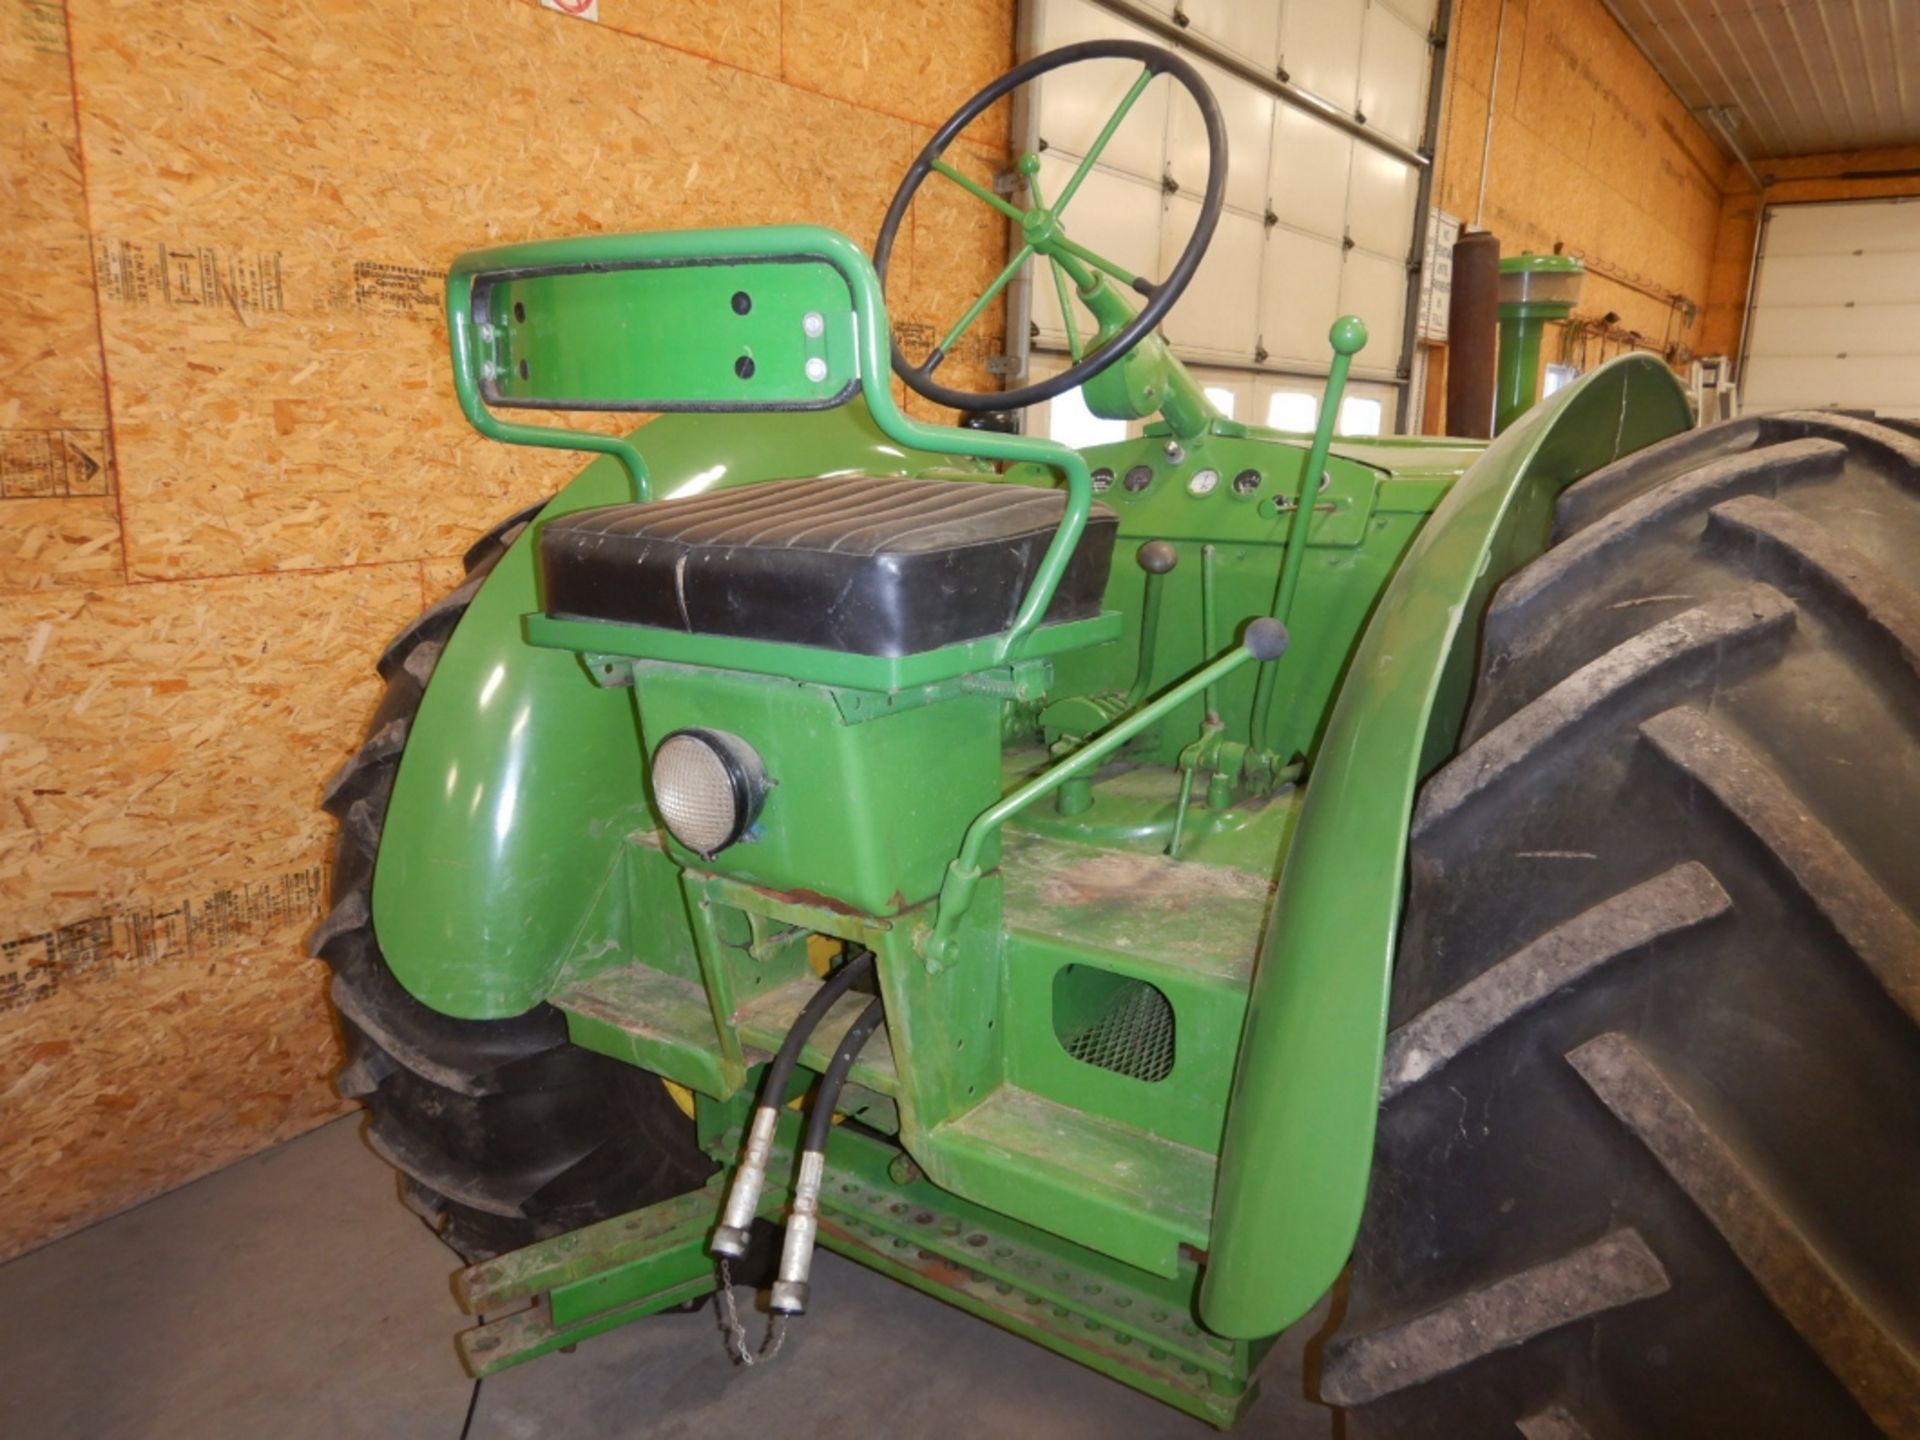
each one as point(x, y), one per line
point(867, 564)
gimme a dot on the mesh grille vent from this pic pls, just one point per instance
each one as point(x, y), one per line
point(1130, 1034)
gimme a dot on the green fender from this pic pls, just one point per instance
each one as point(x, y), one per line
point(1299, 1138)
point(520, 775)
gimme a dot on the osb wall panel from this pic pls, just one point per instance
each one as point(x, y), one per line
point(159, 869)
point(358, 205)
point(1591, 150)
point(1799, 178)
point(59, 519)
point(231, 225)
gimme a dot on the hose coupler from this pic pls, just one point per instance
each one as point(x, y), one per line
point(743, 1198)
point(796, 1255)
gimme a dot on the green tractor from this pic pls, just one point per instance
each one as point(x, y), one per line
point(1190, 871)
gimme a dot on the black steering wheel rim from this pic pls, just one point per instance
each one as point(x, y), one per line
point(1160, 298)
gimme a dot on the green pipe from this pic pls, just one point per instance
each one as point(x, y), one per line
point(1348, 337)
point(1209, 615)
point(1265, 639)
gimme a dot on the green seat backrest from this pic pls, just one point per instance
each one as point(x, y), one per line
point(753, 334)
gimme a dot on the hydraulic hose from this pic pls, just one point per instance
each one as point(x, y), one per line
point(803, 1224)
point(743, 1199)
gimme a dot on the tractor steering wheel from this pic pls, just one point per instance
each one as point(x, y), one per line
point(1041, 229)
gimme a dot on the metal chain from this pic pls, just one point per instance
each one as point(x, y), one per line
point(737, 1333)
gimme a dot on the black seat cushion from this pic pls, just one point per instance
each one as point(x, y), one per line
point(868, 564)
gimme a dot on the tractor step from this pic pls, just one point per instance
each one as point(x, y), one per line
point(1132, 1195)
point(765, 1020)
point(1194, 922)
point(649, 1018)
point(664, 1024)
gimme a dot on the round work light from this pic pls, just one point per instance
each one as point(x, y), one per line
point(709, 787)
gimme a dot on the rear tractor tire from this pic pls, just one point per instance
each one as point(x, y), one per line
point(1649, 1149)
point(503, 1132)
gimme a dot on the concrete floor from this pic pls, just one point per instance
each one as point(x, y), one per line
point(292, 1296)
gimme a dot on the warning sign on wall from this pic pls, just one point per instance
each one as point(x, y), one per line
point(584, 9)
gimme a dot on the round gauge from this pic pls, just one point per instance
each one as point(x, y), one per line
point(1102, 480)
point(1138, 478)
point(1204, 482)
point(1246, 482)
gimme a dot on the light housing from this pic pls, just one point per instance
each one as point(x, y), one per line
point(708, 787)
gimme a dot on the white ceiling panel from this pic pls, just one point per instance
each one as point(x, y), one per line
point(1797, 77)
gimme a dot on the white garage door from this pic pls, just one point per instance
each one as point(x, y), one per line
point(1836, 308)
point(1317, 222)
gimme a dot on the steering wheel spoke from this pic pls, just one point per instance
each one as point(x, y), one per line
point(1075, 269)
point(975, 188)
point(945, 347)
point(1105, 136)
point(1066, 308)
point(1099, 261)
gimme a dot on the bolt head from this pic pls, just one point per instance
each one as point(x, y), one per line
point(816, 369)
point(814, 323)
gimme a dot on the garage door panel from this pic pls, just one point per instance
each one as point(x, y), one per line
point(1075, 103)
point(1250, 28)
point(1320, 48)
point(1835, 279)
point(1890, 385)
point(1248, 113)
point(1394, 65)
point(1317, 222)
point(1878, 227)
point(1832, 330)
point(1381, 202)
point(1219, 315)
point(1299, 297)
point(1115, 215)
point(1836, 310)
point(1375, 289)
point(1311, 160)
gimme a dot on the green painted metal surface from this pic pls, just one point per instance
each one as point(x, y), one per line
point(520, 777)
point(1294, 1166)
